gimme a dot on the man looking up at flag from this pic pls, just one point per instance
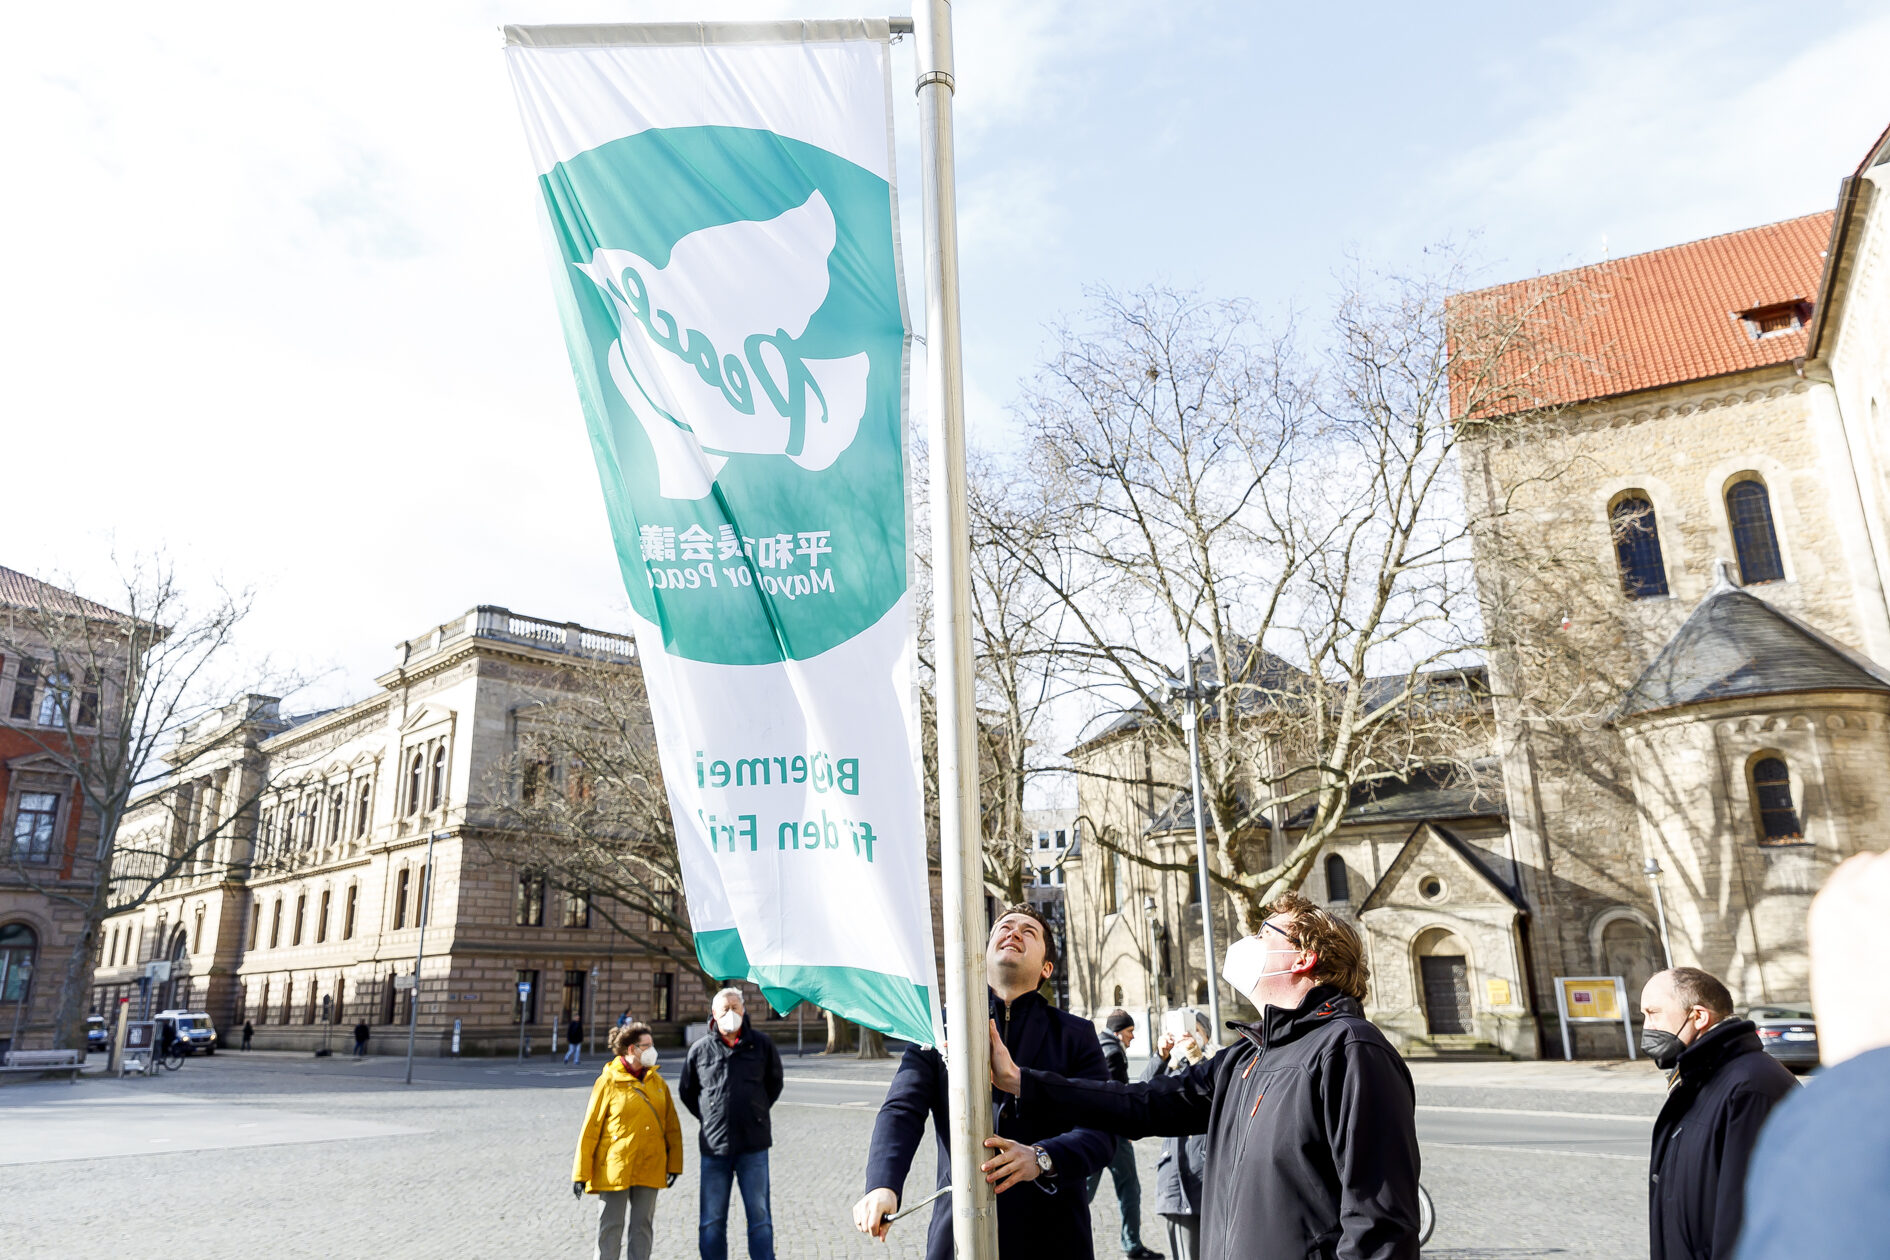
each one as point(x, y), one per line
point(1037, 1169)
point(1310, 1117)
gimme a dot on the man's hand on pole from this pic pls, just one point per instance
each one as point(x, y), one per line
point(871, 1214)
point(1004, 1073)
point(1014, 1163)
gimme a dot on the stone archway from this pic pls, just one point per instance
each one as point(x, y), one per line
point(1625, 945)
point(1443, 972)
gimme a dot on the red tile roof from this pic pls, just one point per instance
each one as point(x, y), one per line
point(1659, 318)
point(17, 590)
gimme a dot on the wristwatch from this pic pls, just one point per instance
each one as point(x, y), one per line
point(1045, 1164)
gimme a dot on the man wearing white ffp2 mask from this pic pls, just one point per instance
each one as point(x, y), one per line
point(730, 1082)
point(1310, 1115)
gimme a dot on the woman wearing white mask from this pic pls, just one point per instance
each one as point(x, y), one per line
point(631, 1145)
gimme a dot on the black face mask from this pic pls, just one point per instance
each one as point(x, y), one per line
point(1662, 1047)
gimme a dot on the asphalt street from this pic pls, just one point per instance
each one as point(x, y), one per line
point(280, 1154)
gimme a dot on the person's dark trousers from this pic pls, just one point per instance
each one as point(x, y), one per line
point(750, 1170)
point(1128, 1194)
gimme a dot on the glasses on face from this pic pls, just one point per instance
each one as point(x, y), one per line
point(1267, 926)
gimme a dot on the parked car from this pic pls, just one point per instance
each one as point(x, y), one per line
point(1789, 1034)
point(191, 1029)
point(97, 1036)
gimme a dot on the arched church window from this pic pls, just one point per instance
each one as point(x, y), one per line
point(1338, 888)
point(1778, 816)
point(413, 783)
point(437, 788)
point(1637, 547)
point(1755, 541)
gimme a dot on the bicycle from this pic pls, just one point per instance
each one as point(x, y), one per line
point(1426, 1216)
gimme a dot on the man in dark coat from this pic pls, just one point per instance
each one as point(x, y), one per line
point(1310, 1117)
point(1723, 1087)
point(360, 1040)
point(1040, 1168)
point(1117, 1036)
point(730, 1080)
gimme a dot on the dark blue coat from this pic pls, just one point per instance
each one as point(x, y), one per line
point(1819, 1183)
point(1045, 1218)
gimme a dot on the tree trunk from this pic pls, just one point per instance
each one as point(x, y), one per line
point(839, 1034)
point(872, 1044)
point(75, 984)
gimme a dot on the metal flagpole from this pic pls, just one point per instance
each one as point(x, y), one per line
point(974, 1218)
point(426, 912)
point(1208, 961)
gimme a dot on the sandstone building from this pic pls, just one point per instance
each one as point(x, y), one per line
point(1690, 682)
point(304, 914)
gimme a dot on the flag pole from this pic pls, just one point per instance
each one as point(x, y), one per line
point(974, 1218)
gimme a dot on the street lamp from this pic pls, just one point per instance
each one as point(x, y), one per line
point(1652, 871)
point(1190, 720)
point(420, 953)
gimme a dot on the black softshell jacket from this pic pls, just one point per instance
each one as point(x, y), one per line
point(1311, 1134)
point(730, 1090)
point(1725, 1087)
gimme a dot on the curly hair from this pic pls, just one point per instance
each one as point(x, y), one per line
point(1336, 943)
point(625, 1039)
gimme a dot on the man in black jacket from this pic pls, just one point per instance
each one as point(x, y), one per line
point(729, 1081)
point(1723, 1087)
point(1310, 1117)
point(1039, 1168)
point(1117, 1036)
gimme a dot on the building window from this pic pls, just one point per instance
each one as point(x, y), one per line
point(54, 700)
point(1060, 841)
point(663, 997)
point(321, 918)
point(577, 909)
point(337, 811)
point(525, 997)
point(530, 909)
point(1043, 876)
point(1637, 547)
point(347, 914)
point(361, 807)
point(1755, 541)
point(1778, 817)
point(301, 912)
point(413, 783)
point(33, 826)
point(275, 925)
point(88, 702)
point(17, 944)
point(1043, 839)
point(436, 790)
point(1111, 882)
point(24, 685)
point(255, 921)
point(401, 882)
point(196, 936)
point(1338, 888)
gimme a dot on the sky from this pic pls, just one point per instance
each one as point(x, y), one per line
point(274, 302)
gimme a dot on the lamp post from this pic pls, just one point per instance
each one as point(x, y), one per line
point(420, 952)
point(1652, 871)
point(1191, 720)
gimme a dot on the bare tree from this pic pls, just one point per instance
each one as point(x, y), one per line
point(136, 708)
point(1294, 522)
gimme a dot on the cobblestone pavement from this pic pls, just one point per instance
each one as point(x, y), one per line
point(279, 1155)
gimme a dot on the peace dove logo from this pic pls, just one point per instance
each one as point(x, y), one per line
point(708, 359)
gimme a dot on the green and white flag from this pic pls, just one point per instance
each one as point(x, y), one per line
point(724, 234)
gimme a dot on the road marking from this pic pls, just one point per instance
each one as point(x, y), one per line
point(1537, 1150)
point(852, 1106)
point(1555, 1115)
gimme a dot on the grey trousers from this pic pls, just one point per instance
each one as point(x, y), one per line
point(1184, 1237)
point(639, 1204)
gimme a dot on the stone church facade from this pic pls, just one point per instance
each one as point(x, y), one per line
point(1691, 700)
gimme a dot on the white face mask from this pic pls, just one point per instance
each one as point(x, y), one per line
point(648, 1057)
point(1245, 964)
point(729, 1022)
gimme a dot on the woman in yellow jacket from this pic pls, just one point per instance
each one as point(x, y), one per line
point(631, 1146)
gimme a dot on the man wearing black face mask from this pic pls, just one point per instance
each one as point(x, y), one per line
point(1723, 1085)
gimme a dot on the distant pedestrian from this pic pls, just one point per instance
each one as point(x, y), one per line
point(1723, 1086)
point(360, 1040)
point(1311, 1117)
point(1117, 1036)
point(631, 1146)
point(574, 1036)
point(1178, 1169)
point(729, 1082)
point(1820, 1179)
point(249, 1031)
point(624, 1019)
